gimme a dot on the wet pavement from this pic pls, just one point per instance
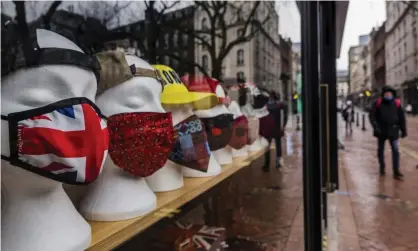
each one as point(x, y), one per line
point(264, 211)
point(367, 213)
point(385, 211)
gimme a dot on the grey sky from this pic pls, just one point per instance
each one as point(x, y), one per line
point(362, 16)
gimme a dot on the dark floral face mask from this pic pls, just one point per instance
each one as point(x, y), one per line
point(239, 137)
point(218, 130)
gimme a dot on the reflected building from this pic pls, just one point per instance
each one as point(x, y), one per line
point(257, 60)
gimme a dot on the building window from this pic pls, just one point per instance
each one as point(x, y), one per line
point(205, 24)
point(205, 38)
point(175, 39)
point(223, 72)
point(205, 62)
point(166, 41)
point(240, 57)
point(406, 70)
point(185, 39)
point(240, 32)
point(239, 15)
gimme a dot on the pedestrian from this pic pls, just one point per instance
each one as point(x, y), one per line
point(276, 109)
point(388, 118)
point(348, 116)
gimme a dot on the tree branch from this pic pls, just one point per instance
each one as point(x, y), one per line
point(48, 15)
point(410, 4)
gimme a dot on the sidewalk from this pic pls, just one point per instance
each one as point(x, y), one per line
point(368, 213)
point(384, 212)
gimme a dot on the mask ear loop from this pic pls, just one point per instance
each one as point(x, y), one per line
point(141, 72)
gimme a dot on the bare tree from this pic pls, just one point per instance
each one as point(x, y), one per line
point(217, 19)
point(106, 12)
point(155, 23)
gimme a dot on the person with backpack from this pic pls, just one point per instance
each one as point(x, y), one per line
point(278, 111)
point(388, 118)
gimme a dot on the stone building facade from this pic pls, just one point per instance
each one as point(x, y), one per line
point(258, 59)
point(377, 51)
point(401, 48)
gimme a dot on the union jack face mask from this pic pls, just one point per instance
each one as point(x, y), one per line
point(66, 141)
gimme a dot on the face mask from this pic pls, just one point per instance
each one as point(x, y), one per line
point(239, 133)
point(66, 141)
point(140, 142)
point(267, 127)
point(218, 130)
point(388, 98)
point(191, 148)
point(253, 129)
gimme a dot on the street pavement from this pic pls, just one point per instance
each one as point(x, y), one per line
point(384, 212)
point(264, 211)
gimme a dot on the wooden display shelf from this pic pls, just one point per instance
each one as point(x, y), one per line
point(109, 235)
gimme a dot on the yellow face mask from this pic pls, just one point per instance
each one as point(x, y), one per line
point(176, 93)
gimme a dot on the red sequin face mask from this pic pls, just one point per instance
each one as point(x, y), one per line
point(239, 137)
point(140, 143)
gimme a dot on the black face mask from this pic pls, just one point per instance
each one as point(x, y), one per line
point(218, 130)
point(242, 99)
point(260, 101)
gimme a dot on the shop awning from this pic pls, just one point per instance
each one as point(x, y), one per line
point(342, 8)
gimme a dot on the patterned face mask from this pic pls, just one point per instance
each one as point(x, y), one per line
point(191, 148)
point(239, 133)
point(219, 130)
point(140, 143)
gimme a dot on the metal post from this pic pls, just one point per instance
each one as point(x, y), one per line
point(357, 120)
point(363, 122)
point(332, 94)
point(297, 122)
point(329, 139)
point(311, 123)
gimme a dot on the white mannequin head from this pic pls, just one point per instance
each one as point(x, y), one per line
point(32, 202)
point(223, 156)
point(217, 110)
point(116, 195)
point(236, 111)
point(170, 176)
point(180, 113)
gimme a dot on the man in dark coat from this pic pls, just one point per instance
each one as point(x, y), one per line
point(388, 118)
